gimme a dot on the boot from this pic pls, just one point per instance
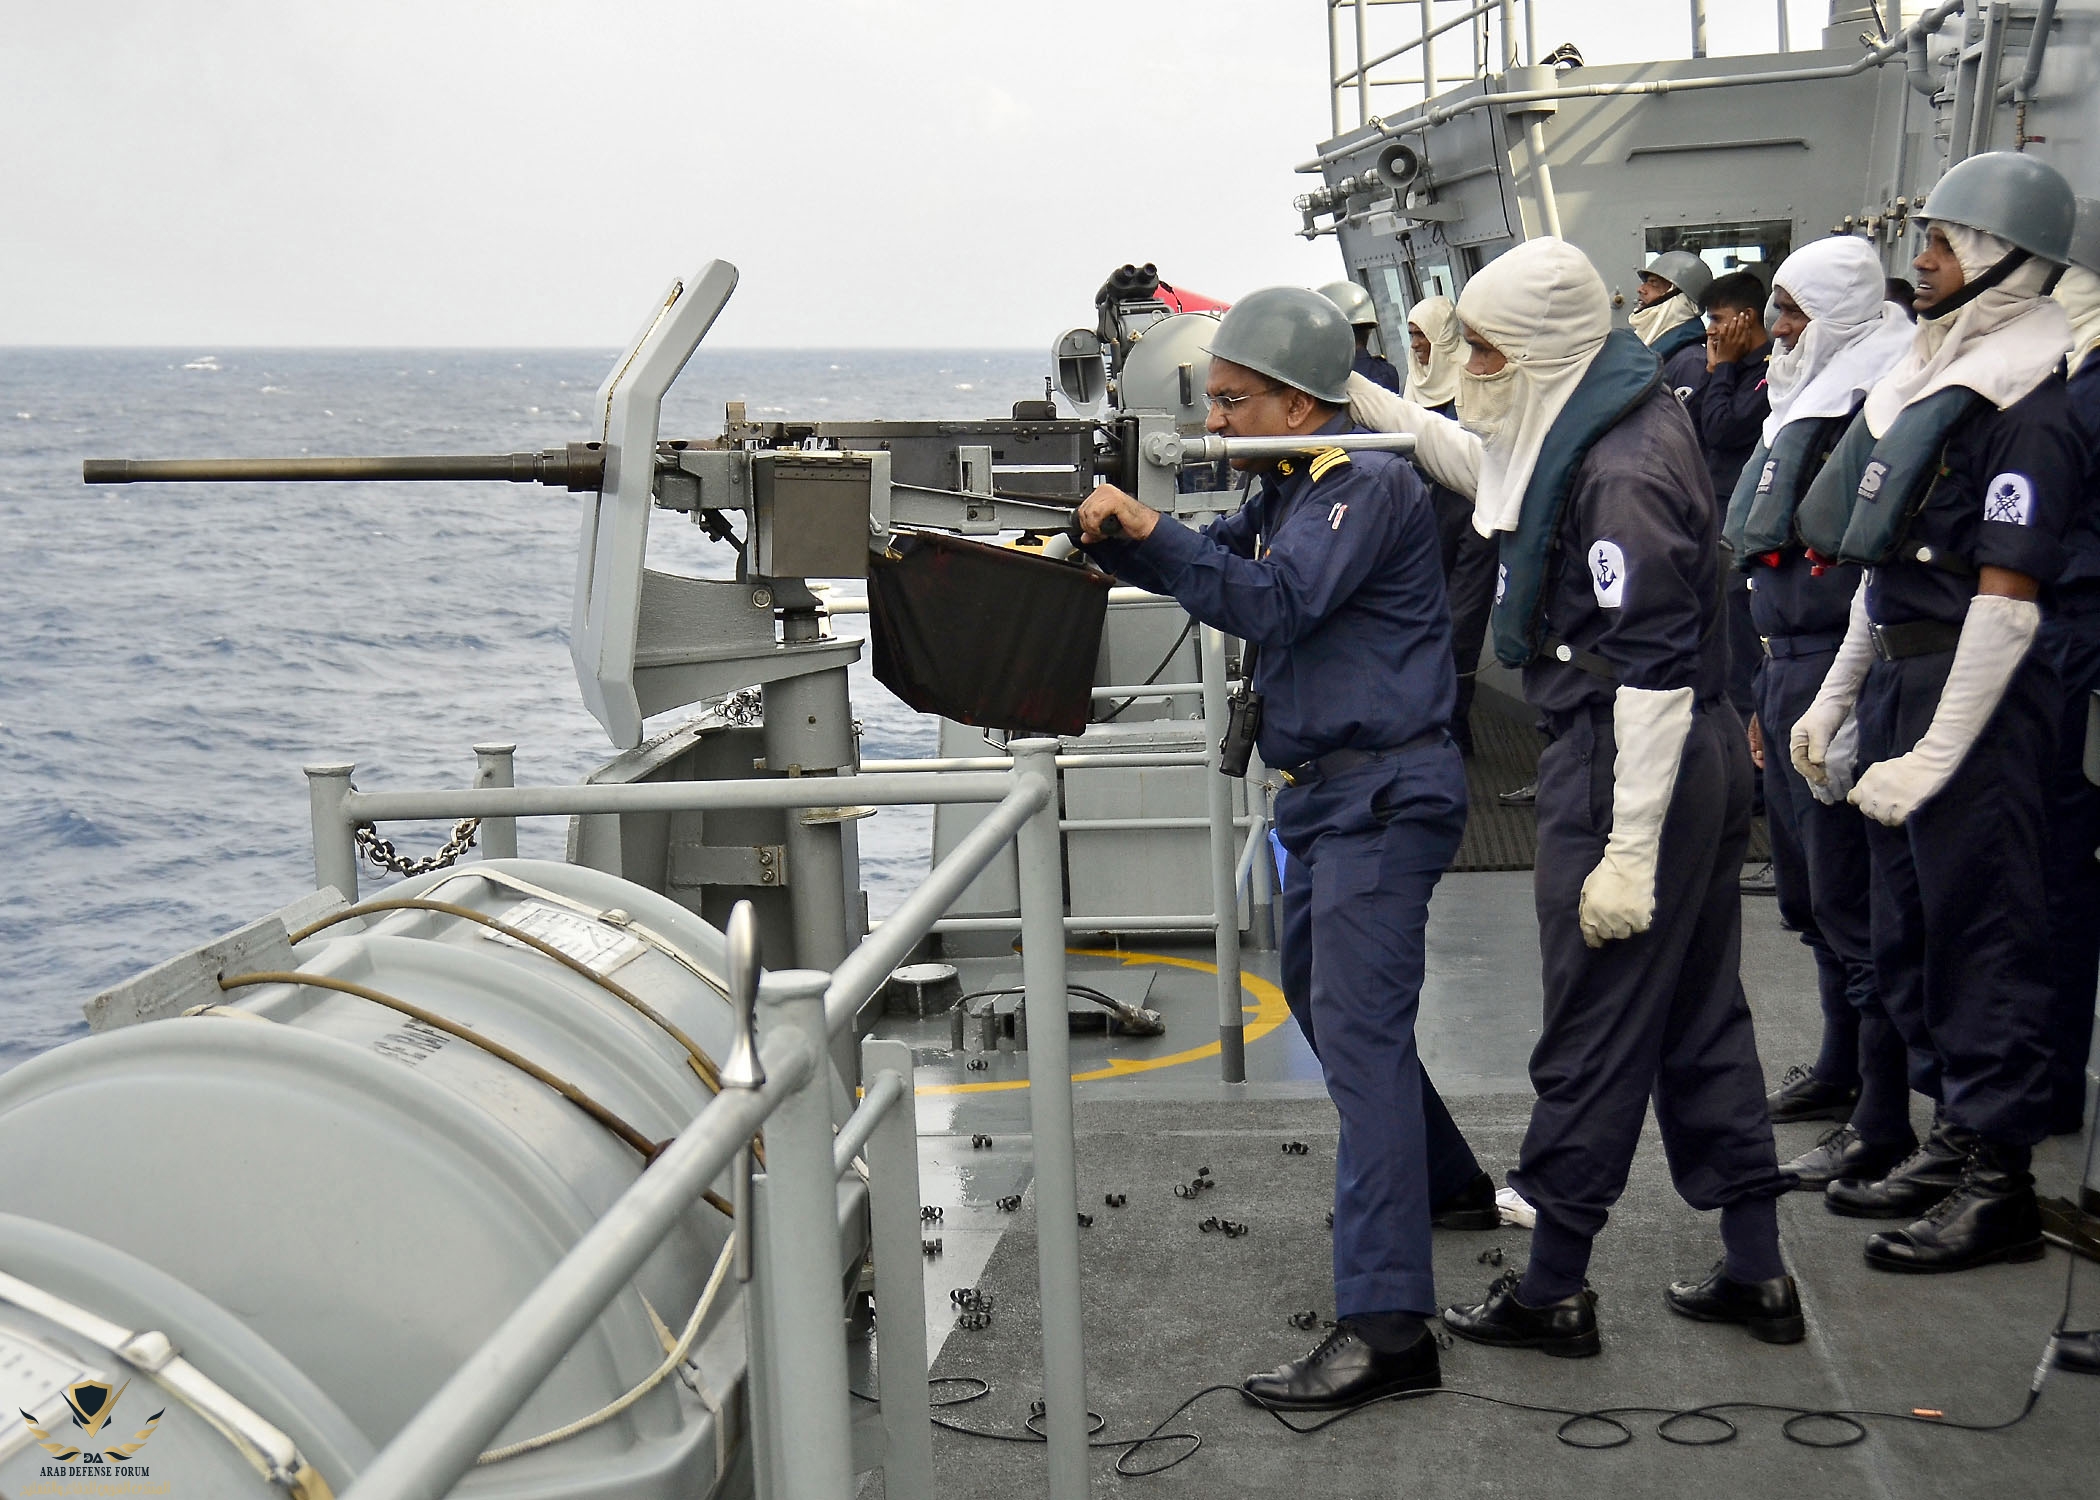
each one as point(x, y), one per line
point(1913, 1185)
point(1843, 1153)
point(1991, 1216)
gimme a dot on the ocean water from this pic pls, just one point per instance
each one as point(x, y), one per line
point(171, 655)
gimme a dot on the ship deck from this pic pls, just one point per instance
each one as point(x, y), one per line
point(1170, 1309)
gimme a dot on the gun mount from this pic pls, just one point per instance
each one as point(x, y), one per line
point(814, 499)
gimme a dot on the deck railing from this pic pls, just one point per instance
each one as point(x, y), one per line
point(800, 1423)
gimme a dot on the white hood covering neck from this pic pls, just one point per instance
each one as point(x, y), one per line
point(2078, 294)
point(1854, 336)
point(1651, 323)
point(2001, 345)
point(1435, 383)
point(1543, 305)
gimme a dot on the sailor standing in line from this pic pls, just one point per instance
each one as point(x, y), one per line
point(1955, 486)
point(1588, 469)
point(1667, 319)
point(1436, 361)
point(1838, 336)
point(1362, 313)
point(1329, 574)
point(2070, 638)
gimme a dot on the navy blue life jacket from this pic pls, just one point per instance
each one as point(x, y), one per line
point(1761, 511)
point(1858, 508)
point(1623, 375)
point(1683, 336)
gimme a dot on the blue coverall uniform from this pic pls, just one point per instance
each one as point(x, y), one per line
point(2070, 637)
point(1377, 369)
point(1819, 850)
point(1728, 410)
point(1331, 570)
point(1960, 959)
point(1660, 1014)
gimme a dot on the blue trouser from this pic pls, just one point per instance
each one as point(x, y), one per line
point(1821, 868)
point(1961, 961)
point(1660, 1014)
point(1366, 850)
point(2071, 639)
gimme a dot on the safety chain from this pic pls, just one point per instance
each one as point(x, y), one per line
point(384, 856)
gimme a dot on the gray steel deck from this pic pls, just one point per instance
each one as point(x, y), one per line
point(1170, 1309)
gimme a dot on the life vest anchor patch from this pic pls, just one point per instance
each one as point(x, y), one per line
point(1608, 574)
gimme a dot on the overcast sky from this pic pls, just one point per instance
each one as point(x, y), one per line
point(902, 173)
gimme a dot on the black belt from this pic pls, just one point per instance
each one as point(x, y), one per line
point(1917, 638)
point(1806, 644)
point(1335, 762)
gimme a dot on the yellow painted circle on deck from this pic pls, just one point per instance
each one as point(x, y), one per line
point(1267, 1013)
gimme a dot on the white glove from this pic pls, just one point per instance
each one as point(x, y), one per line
point(1994, 641)
point(1809, 744)
point(1618, 898)
point(1840, 761)
point(1446, 451)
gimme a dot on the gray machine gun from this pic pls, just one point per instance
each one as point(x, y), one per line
point(815, 498)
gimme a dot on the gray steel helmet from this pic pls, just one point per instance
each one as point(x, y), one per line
point(1683, 270)
point(2019, 198)
point(2085, 237)
point(1354, 302)
point(1293, 336)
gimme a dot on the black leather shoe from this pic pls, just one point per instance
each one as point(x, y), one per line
point(1771, 1310)
point(1342, 1370)
point(1991, 1216)
point(1523, 796)
point(1910, 1187)
point(1803, 1096)
point(1758, 880)
point(1566, 1329)
point(1471, 1207)
point(2079, 1351)
point(1843, 1153)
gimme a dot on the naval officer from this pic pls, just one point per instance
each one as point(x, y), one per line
point(1587, 469)
point(1329, 573)
point(1956, 486)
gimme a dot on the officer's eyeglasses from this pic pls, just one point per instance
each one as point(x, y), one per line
point(1231, 404)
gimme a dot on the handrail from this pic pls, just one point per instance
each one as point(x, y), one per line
point(1408, 46)
point(442, 1441)
point(867, 967)
point(883, 1093)
point(1434, 115)
point(669, 796)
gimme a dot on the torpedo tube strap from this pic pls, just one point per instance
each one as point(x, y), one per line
point(702, 1064)
point(1863, 499)
point(1623, 374)
point(496, 1049)
point(615, 918)
point(267, 1450)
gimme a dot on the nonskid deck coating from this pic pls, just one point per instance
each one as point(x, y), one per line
point(1170, 1309)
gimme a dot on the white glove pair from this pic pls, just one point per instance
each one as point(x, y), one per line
point(1995, 638)
point(1618, 897)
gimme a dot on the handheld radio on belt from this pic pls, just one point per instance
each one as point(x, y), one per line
point(1242, 719)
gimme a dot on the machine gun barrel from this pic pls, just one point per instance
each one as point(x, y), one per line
point(579, 466)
